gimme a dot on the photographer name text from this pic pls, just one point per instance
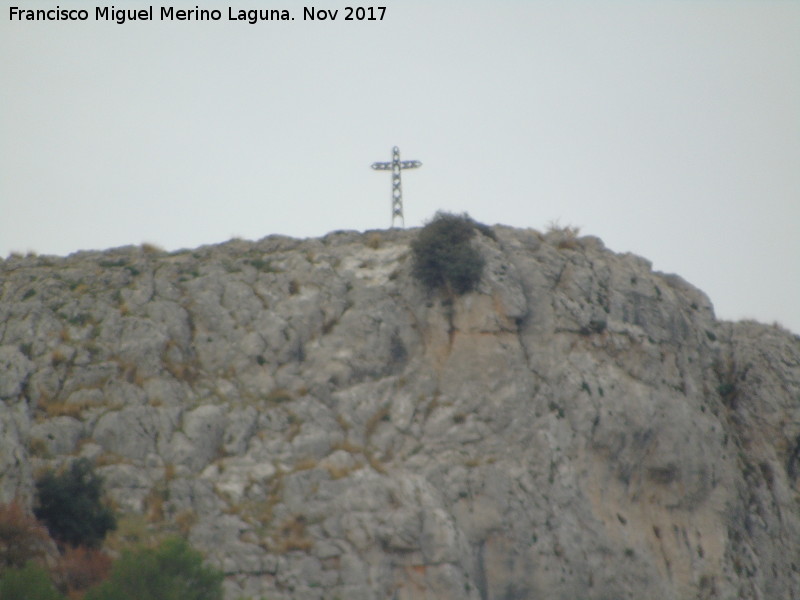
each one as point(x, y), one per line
point(121, 16)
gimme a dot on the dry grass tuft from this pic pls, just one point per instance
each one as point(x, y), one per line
point(80, 568)
point(340, 472)
point(149, 248)
point(373, 240)
point(348, 447)
point(279, 395)
point(130, 372)
point(57, 358)
point(109, 458)
point(63, 409)
point(185, 520)
point(376, 464)
point(305, 465)
point(66, 409)
point(181, 371)
point(292, 535)
point(565, 237)
point(154, 503)
point(38, 447)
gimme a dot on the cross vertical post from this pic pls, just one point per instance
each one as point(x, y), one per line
point(397, 190)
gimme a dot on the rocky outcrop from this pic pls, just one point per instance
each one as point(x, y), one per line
point(321, 427)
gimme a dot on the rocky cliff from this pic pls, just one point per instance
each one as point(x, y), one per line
point(321, 427)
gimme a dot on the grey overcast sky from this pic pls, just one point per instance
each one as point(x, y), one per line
point(670, 129)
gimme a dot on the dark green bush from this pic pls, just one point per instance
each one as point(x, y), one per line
point(70, 505)
point(31, 582)
point(173, 571)
point(444, 257)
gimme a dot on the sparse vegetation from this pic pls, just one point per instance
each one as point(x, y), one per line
point(154, 503)
point(728, 376)
point(57, 357)
point(293, 536)
point(66, 409)
point(80, 568)
point(340, 472)
point(279, 396)
point(262, 265)
point(110, 264)
point(133, 530)
point(444, 257)
point(566, 237)
point(594, 326)
point(149, 248)
point(38, 447)
point(185, 520)
point(22, 538)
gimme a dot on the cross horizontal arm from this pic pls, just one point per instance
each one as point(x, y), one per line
point(405, 164)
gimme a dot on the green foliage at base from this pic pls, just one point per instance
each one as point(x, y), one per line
point(31, 582)
point(173, 571)
point(444, 257)
point(70, 506)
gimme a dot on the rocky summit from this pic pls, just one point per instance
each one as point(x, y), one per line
point(320, 426)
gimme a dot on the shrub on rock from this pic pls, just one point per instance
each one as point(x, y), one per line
point(444, 257)
point(71, 507)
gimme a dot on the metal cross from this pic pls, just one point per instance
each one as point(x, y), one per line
point(397, 192)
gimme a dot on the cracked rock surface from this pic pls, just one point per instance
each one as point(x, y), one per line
point(321, 427)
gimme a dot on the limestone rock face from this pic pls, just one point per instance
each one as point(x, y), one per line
point(321, 427)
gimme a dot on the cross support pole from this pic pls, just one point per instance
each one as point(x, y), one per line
point(397, 191)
